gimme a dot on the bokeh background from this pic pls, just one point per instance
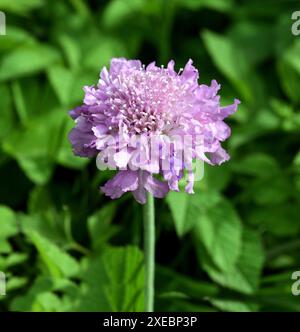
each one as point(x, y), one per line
point(230, 247)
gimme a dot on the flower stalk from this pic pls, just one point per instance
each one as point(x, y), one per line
point(149, 251)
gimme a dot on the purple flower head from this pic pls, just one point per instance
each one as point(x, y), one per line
point(150, 122)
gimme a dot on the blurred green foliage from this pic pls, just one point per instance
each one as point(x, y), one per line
point(233, 245)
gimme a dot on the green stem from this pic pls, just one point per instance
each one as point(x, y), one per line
point(149, 251)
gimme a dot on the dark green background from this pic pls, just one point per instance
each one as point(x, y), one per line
point(234, 244)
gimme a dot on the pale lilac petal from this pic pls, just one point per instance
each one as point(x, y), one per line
point(90, 97)
point(219, 157)
point(230, 109)
point(140, 195)
point(124, 181)
point(189, 188)
point(190, 74)
point(151, 66)
point(170, 68)
point(156, 188)
point(221, 130)
point(119, 64)
point(83, 143)
point(104, 75)
point(100, 130)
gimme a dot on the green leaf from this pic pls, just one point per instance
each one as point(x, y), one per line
point(7, 117)
point(220, 230)
point(47, 222)
point(15, 259)
point(119, 10)
point(102, 52)
point(99, 226)
point(5, 247)
point(233, 305)
point(27, 61)
point(67, 158)
point(71, 49)
point(39, 201)
point(28, 301)
point(288, 67)
point(257, 164)
point(289, 79)
point(41, 296)
point(170, 281)
point(291, 55)
point(179, 205)
point(230, 59)
point(280, 220)
point(113, 281)
point(38, 169)
point(222, 6)
point(36, 146)
point(257, 39)
point(277, 296)
point(260, 191)
point(19, 102)
point(20, 7)
point(216, 223)
point(82, 78)
point(290, 118)
point(61, 80)
point(59, 264)
point(15, 283)
point(244, 275)
point(15, 37)
point(8, 222)
point(217, 178)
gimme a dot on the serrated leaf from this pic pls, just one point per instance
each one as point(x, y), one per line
point(220, 230)
point(113, 281)
point(40, 296)
point(99, 225)
point(244, 275)
point(216, 223)
point(59, 263)
point(35, 147)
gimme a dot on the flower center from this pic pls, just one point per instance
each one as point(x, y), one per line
point(146, 101)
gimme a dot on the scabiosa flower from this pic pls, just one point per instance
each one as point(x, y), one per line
point(133, 106)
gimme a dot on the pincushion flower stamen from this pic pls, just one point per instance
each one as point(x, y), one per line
point(150, 123)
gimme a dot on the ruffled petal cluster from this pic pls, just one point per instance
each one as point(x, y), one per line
point(149, 123)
